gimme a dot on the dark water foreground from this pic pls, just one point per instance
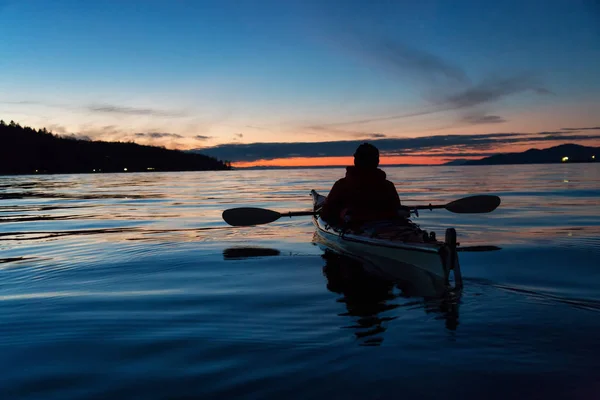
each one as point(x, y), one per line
point(131, 286)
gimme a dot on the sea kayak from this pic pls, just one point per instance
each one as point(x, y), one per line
point(392, 248)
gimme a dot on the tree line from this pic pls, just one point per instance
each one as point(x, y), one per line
point(24, 150)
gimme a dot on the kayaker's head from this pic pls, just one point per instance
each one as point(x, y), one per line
point(366, 156)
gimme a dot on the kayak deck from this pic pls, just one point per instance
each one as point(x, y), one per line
point(391, 247)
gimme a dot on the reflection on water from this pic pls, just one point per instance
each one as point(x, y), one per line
point(369, 297)
point(132, 285)
point(234, 253)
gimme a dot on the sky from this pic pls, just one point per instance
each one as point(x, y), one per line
point(304, 82)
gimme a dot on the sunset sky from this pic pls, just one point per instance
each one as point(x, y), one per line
point(302, 82)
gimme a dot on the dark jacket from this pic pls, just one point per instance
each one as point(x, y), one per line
point(364, 195)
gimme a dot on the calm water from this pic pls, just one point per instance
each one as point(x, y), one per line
point(131, 285)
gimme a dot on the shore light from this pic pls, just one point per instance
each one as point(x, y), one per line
point(565, 159)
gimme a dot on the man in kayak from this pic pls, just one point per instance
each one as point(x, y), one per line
point(364, 194)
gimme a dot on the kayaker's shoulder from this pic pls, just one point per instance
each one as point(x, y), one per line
point(390, 183)
point(340, 181)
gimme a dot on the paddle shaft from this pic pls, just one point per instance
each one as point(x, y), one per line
point(298, 213)
point(429, 207)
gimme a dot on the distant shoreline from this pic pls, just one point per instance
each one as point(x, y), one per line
point(27, 151)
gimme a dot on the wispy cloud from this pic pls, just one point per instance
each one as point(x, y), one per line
point(38, 103)
point(402, 59)
point(202, 137)
point(332, 131)
point(258, 128)
point(103, 131)
point(58, 129)
point(592, 128)
point(154, 137)
point(484, 93)
point(237, 136)
point(556, 133)
point(444, 84)
point(158, 135)
point(100, 108)
point(476, 119)
point(491, 90)
point(26, 102)
point(124, 110)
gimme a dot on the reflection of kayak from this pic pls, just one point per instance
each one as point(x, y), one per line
point(396, 249)
point(372, 301)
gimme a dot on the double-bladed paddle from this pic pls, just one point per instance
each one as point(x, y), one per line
point(248, 216)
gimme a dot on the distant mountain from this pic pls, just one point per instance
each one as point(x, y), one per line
point(572, 153)
point(458, 161)
point(24, 150)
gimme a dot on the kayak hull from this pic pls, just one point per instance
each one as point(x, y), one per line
point(415, 261)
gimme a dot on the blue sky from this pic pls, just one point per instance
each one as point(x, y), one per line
point(287, 71)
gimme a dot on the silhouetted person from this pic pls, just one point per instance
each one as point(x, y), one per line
point(364, 194)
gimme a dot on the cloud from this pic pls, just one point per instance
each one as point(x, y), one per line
point(239, 135)
point(260, 128)
point(37, 103)
point(477, 119)
point(114, 109)
point(403, 59)
point(327, 129)
point(445, 85)
point(556, 133)
point(102, 108)
point(158, 135)
point(112, 133)
point(202, 137)
point(491, 90)
point(103, 131)
point(26, 102)
point(433, 145)
point(486, 92)
point(593, 128)
point(58, 129)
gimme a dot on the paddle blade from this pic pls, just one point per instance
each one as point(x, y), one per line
point(474, 204)
point(247, 216)
point(236, 253)
point(479, 248)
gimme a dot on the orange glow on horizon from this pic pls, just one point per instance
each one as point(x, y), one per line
point(420, 158)
point(339, 161)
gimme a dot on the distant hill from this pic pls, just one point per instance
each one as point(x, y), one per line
point(575, 153)
point(458, 161)
point(24, 150)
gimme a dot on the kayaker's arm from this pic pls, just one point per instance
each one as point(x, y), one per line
point(394, 196)
point(332, 206)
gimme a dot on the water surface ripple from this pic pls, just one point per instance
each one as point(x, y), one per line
point(132, 286)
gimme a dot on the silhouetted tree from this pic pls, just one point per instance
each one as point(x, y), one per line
point(24, 150)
